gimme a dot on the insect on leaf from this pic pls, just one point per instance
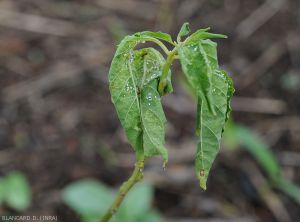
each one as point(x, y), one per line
point(133, 80)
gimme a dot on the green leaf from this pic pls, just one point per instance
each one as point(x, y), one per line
point(235, 135)
point(151, 217)
point(17, 191)
point(199, 61)
point(230, 93)
point(90, 217)
point(2, 190)
point(214, 90)
point(202, 34)
point(184, 30)
point(289, 188)
point(88, 198)
point(137, 204)
point(230, 139)
point(158, 35)
point(210, 126)
point(259, 150)
point(266, 159)
point(133, 81)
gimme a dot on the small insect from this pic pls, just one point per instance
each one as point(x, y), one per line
point(202, 173)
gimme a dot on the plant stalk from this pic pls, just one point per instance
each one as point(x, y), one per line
point(160, 44)
point(165, 72)
point(136, 176)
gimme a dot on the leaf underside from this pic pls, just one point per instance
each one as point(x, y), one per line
point(133, 80)
point(214, 90)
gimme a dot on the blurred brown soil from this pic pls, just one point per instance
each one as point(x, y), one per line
point(58, 125)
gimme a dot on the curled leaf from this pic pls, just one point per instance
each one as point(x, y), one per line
point(214, 90)
point(133, 80)
point(203, 34)
point(210, 127)
point(158, 35)
point(198, 61)
point(184, 30)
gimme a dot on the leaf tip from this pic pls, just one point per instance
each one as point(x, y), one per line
point(184, 30)
point(203, 185)
point(225, 37)
point(165, 164)
point(202, 179)
point(164, 155)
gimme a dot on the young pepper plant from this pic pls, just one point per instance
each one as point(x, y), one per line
point(138, 78)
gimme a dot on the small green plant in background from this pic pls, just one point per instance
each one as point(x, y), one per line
point(237, 135)
point(89, 199)
point(15, 191)
point(138, 78)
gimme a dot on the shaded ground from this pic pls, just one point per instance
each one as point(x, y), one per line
point(57, 123)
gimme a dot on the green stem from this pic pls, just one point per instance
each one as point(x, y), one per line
point(136, 176)
point(161, 45)
point(165, 71)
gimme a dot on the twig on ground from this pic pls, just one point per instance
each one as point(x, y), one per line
point(139, 9)
point(293, 46)
point(267, 59)
point(259, 17)
point(288, 158)
point(188, 8)
point(258, 105)
point(270, 198)
point(37, 24)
